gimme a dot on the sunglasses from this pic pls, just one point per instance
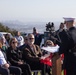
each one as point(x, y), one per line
point(49, 44)
point(14, 42)
point(31, 38)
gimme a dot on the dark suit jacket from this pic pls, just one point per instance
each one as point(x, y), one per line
point(31, 56)
point(60, 35)
point(38, 39)
point(66, 48)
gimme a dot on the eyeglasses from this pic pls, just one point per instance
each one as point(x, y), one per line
point(49, 44)
point(14, 42)
point(31, 38)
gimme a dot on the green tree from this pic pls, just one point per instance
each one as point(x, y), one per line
point(7, 29)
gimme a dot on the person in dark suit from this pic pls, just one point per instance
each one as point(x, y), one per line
point(14, 55)
point(32, 55)
point(38, 37)
point(5, 67)
point(60, 34)
point(68, 47)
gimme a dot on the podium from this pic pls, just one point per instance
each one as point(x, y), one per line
point(56, 66)
point(56, 59)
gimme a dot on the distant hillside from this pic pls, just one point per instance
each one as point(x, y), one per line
point(4, 28)
point(12, 24)
point(28, 26)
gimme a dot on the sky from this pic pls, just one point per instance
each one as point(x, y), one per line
point(37, 10)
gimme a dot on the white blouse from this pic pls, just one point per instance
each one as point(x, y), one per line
point(2, 59)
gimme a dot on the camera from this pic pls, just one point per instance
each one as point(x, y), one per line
point(50, 27)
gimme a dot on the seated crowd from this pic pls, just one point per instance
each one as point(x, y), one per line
point(24, 54)
point(23, 59)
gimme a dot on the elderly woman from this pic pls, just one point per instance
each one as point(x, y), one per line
point(15, 57)
point(5, 68)
point(49, 43)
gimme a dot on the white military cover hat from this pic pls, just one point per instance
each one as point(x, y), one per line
point(68, 19)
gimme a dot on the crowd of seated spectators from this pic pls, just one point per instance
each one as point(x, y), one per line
point(24, 54)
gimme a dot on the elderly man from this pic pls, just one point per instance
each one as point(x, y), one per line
point(68, 47)
point(32, 55)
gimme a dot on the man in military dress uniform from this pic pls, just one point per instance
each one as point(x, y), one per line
point(68, 47)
